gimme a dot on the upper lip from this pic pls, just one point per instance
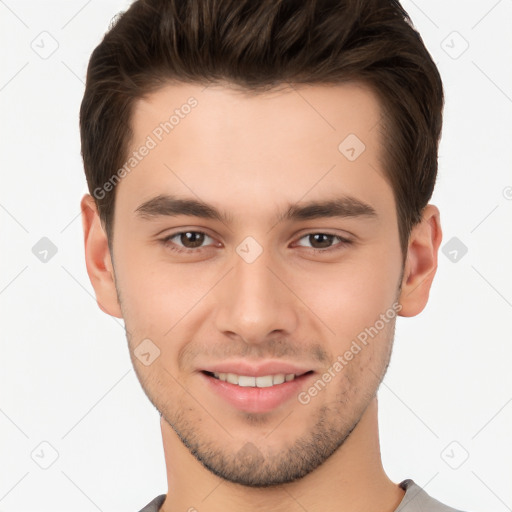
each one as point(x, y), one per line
point(256, 370)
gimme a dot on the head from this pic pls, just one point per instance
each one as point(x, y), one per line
point(298, 141)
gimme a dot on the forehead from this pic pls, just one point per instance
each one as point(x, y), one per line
point(294, 112)
point(241, 148)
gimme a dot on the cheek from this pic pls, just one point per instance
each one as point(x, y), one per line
point(348, 295)
point(351, 296)
point(155, 293)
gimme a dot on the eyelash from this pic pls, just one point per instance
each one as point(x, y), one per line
point(173, 247)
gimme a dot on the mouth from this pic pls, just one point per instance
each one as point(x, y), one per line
point(264, 381)
point(256, 394)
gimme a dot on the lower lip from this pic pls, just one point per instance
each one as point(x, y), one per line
point(254, 399)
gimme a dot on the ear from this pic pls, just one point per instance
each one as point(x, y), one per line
point(97, 258)
point(421, 262)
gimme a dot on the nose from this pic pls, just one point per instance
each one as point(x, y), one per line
point(255, 301)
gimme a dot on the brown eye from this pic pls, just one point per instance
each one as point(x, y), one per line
point(323, 242)
point(191, 239)
point(186, 241)
point(320, 240)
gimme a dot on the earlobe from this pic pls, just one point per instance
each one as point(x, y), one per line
point(98, 259)
point(421, 262)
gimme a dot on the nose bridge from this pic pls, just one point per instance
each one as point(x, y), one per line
point(254, 302)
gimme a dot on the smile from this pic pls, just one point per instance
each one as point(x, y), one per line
point(264, 381)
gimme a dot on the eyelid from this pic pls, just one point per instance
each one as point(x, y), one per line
point(345, 235)
point(342, 239)
point(167, 239)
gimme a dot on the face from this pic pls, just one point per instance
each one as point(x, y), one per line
point(261, 275)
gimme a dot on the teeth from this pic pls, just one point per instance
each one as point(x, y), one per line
point(260, 382)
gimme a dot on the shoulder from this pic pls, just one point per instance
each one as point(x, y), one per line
point(417, 500)
point(154, 505)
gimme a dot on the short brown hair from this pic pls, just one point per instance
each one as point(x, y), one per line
point(259, 45)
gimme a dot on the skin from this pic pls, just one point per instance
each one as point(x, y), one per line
point(252, 156)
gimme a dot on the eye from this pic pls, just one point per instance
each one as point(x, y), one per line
point(191, 241)
point(322, 242)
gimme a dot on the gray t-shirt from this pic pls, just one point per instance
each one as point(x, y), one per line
point(414, 500)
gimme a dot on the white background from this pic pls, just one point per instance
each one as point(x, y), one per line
point(65, 373)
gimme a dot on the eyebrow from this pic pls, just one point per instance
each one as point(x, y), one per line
point(171, 206)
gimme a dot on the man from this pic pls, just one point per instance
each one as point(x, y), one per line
point(260, 173)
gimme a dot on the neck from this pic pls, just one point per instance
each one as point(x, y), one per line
point(351, 480)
